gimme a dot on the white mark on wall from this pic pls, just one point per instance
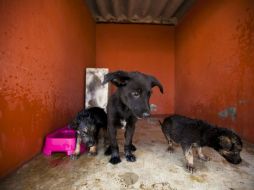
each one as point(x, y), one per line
point(228, 112)
point(96, 93)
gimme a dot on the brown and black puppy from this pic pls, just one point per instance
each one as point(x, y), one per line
point(88, 123)
point(193, 133)
point(129, 103)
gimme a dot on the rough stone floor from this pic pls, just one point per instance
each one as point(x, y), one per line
point(155, 168)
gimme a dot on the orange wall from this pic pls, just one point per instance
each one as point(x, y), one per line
point(44, 48)
point(214, 63)
point(144, 48)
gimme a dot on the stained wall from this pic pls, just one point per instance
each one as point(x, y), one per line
point(214, 64)
point(44, 48)
point(145, 48)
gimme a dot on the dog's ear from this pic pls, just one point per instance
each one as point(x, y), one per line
point(155, 82)
point(118, 78)
point(225, 142)
point(74, 124)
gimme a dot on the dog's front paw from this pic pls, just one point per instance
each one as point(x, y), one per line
point(74, 157)
point(190, 168)
point(130, 158)
point(133, 148)
point(115, 160)
point(92, 153)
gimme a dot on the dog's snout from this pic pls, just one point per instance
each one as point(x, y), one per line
point(146, 114)
point(90, 143)
point(235, 161)
point(239, 161)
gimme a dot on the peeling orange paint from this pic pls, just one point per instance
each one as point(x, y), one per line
point(44, 49)
point(205, 65)
point(214, 63)
point(144, 48)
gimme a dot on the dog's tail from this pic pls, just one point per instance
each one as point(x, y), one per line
point(160, 123)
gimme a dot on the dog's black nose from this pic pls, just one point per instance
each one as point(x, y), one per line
point(238, 161)
point(146, 114)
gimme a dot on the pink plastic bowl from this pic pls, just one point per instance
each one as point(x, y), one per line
point(62, 140)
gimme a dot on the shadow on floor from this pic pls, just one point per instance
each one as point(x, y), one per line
point(155, 168)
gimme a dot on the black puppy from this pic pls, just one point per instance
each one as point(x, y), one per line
point(129, 103)
point(193, 133)
point(88, 123)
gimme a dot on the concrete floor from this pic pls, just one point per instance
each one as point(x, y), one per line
point(155, 168)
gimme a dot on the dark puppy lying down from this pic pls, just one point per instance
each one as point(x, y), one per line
point(88, 123)
point(193, 133)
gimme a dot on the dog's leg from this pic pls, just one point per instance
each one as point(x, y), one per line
point(201, 156)
point(77, 149)
point(105, 137)
point(170, 146)
point(115, 158)
point(189, 158)
point(133, 147)
point(170, 143)
point(128, 143)
point(109, 150)
point(106, 142)
point(93, 150)
point(168, 139)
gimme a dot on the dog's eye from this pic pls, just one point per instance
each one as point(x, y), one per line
point(135, 94)
point(83, 133)
point(227, 146)
point(238, 147)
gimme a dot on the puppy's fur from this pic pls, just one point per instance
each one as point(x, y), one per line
point(129, 103)
point(193, 133)
point(88, 123)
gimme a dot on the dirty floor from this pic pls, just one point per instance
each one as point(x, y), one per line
point(155, 168)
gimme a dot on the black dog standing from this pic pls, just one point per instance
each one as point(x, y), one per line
point(129, 103)
point(88, 123)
